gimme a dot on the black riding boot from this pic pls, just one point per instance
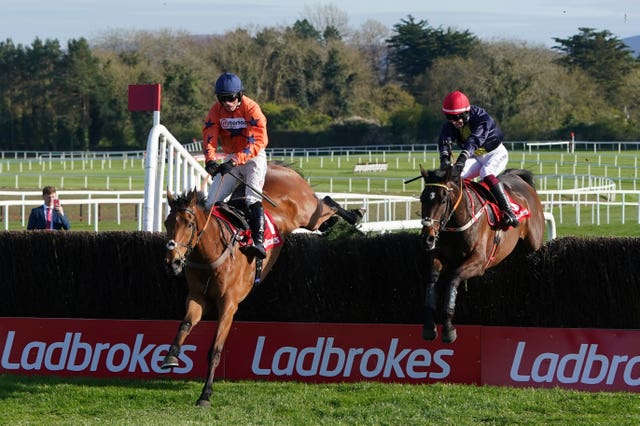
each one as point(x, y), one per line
point(508, 217)
point(257, 231)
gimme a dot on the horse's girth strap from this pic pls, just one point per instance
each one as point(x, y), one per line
point(496, 242)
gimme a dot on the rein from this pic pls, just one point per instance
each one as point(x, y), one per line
point(446, 217)
point(228, 245)
point(474, 218)
point(428, 221)
point(190, 245)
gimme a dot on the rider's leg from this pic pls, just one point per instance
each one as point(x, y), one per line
point(497, 189)
point(255, 171)
point(256, 214)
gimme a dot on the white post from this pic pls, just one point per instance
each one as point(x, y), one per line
point(150, 179)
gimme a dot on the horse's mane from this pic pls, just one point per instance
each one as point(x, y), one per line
point(437, 176)
point(525, 175)
point(184, 200)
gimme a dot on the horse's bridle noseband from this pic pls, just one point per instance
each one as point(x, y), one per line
point(429, 222)
point(173, 244)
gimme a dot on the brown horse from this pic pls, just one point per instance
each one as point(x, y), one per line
point(462, 232)
point(205, 248)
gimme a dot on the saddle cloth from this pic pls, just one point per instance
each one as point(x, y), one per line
point(483, 191)
point(237, 223)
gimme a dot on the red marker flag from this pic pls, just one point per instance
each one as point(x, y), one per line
point(144, 97)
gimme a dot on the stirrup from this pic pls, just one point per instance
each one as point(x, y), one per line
point(253, 250)
point(510, 220)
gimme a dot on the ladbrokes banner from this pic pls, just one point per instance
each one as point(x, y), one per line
point(586, 359)
point(571, 358)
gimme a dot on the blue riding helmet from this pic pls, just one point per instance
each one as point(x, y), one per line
point(228, 84)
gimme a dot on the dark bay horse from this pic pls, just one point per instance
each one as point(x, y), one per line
point(462, 233)
point(205, 249)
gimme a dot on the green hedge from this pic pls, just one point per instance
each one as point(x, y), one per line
point(570, 282)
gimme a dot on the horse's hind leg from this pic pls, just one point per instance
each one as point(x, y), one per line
point(429, 330)
point(351, 216)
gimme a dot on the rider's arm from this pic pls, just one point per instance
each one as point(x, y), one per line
point(210, 133)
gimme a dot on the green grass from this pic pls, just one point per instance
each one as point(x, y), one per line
point(73, 401)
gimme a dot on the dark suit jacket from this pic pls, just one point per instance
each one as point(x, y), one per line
point(37, 219)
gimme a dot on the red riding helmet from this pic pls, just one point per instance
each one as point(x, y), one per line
point(455, 103)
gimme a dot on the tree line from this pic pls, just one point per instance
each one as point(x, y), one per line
point(320, 79)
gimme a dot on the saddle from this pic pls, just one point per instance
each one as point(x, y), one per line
point(494, 214)
point(233, 214)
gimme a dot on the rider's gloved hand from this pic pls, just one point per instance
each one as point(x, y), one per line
point(462, 158)
point(212, 167)
point(226, 167)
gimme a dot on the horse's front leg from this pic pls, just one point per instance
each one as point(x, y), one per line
point(474, 267)
point(449, 334)
point(191, 318)
point(227, 309)
point(429, 330)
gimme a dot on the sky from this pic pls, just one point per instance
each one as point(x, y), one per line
point(536, 22)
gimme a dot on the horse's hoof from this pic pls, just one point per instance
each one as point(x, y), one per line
point(169, 362)
point(429, 334)
point(449, 336)
point(203, 403)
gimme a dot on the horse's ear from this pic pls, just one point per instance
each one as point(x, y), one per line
point(169, 196)
point(423, 172)
point(193, 196)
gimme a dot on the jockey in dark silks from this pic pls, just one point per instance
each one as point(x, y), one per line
point(483, 153)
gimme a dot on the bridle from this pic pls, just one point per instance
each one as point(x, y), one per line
point(194, 240)
point(429, 222)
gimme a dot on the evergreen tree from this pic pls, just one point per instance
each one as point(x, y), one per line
point(304, 30)
point(416, 45)
point(601, 55)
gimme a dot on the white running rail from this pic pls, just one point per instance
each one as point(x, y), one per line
point(183, 172)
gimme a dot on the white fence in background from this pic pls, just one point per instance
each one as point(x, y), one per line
point(384, 213)
point(93, 200)
point(169, 165)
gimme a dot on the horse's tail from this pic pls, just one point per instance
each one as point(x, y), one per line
point(525, 175)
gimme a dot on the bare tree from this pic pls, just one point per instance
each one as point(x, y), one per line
point(370, 40)
point(323, 16)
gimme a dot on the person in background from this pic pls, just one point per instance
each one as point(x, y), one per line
point(237, 123)
point(483, 153)
point(50, 215)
